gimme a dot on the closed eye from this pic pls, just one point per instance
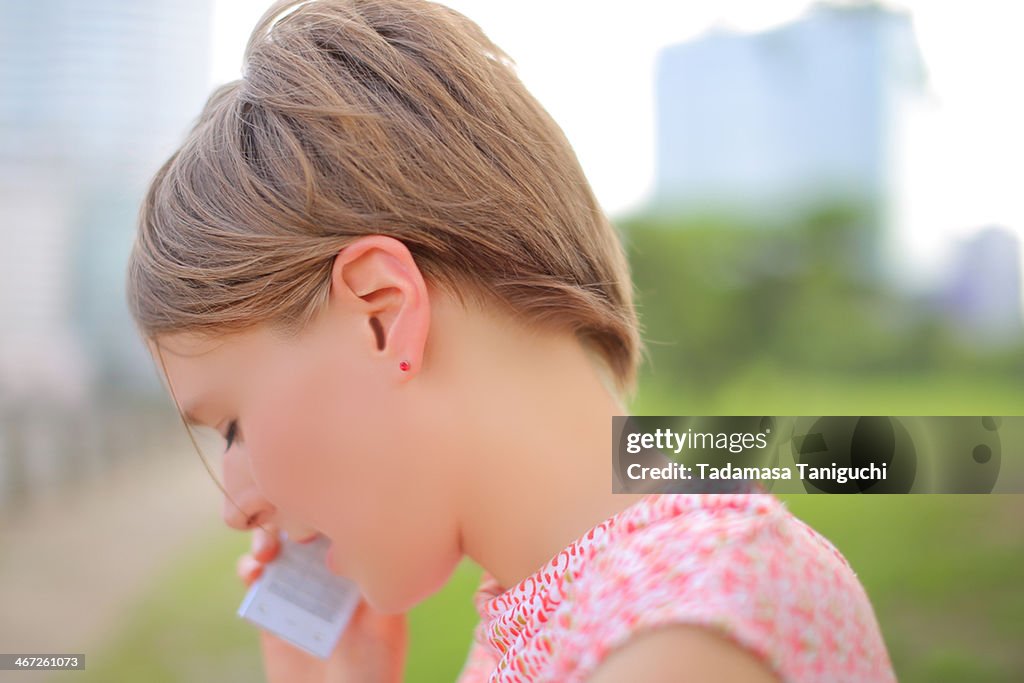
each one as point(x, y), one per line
point(232, 434)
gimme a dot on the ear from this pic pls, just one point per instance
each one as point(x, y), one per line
point(377, 276)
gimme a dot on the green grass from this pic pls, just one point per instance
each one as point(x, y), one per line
point(763, 389)
point(440, 629)
point(185, 629)
point(945, 573)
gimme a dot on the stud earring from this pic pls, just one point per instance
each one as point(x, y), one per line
point(404, 366)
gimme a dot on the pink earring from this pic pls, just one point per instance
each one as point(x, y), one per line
point(404, 366)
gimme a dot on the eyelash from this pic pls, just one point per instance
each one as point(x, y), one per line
point(231, 434)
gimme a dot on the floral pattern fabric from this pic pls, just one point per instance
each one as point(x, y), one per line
point(740, 564)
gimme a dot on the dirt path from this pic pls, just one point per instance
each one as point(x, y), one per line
point(75, 565)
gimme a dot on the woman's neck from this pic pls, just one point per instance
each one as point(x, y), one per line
point(533, 460)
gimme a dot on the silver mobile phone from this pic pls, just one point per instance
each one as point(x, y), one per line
point(297, 598)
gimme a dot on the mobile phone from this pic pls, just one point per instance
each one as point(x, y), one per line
point(297, 598)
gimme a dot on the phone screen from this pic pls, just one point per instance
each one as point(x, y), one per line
point(297, 598)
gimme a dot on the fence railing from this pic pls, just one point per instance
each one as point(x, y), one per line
point(47, 446)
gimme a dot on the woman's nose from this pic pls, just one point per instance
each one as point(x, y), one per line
point(244, 505)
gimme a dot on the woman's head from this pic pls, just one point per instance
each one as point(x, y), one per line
point(378, 164)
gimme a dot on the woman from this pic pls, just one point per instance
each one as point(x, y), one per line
point(376, 267)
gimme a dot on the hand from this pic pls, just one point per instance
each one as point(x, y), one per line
point(372, 648)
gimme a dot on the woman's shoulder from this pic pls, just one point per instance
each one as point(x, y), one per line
point(741, 566)
point(681, 652)
point(724, 536)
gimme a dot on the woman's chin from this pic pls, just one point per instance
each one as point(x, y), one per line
point(388, 603)
point(393, 592)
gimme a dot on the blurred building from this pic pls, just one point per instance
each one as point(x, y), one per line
point(983, 295)
point(94, 95)
point(763, 124)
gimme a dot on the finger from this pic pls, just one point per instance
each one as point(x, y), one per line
point(248, 569)
point(265, 544)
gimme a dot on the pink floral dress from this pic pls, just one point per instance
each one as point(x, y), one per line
point(740, 564)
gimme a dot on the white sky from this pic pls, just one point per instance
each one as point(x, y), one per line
point(591, 64)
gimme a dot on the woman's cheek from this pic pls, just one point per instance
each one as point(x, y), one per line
point(278, 448)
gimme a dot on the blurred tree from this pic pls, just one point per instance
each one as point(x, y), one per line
point(715, 294)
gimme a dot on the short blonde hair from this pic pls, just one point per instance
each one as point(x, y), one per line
point(393, 117)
